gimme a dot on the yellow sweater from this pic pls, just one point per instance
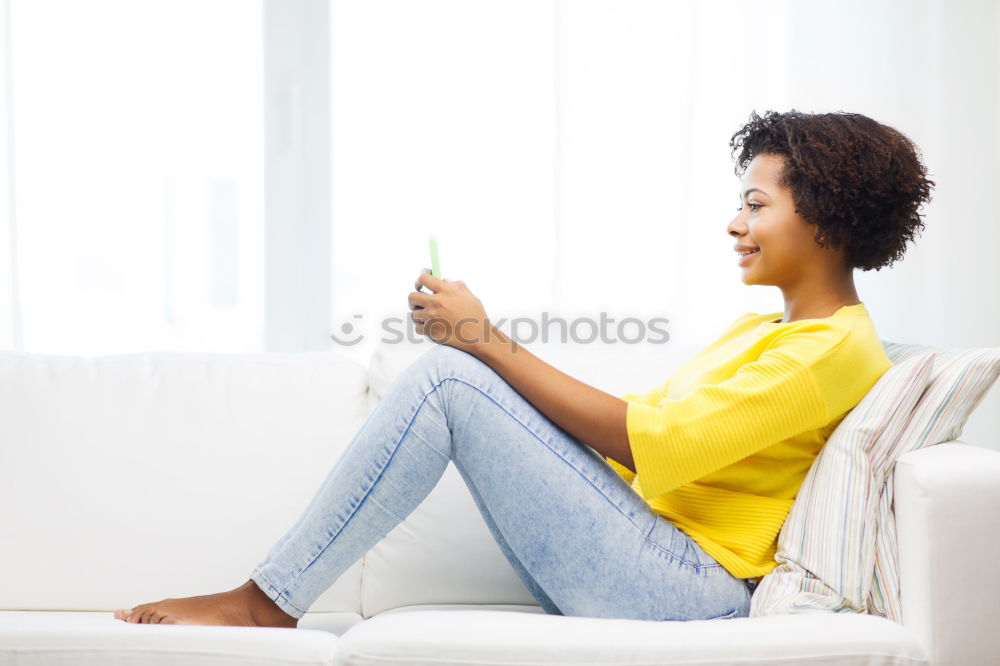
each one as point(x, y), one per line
point(722, 448)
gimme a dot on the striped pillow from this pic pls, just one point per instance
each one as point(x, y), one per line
point(837, 549)
point(958, 383)
point(822, 546)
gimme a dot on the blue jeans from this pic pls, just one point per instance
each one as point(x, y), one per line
point(582, 541)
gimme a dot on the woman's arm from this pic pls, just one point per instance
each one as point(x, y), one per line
point(592, 416)
point(453, 316)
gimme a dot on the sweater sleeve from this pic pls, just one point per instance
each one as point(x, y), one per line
point(649, 398)
point(768, 400)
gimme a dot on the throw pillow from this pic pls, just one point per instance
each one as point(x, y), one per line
point(827, 542)
point(959, 381)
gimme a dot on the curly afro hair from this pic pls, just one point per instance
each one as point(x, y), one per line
point(859, 181)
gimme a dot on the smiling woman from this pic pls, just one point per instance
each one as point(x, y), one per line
point(825, 194)
point(659, 506)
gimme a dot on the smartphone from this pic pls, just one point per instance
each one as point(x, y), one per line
point(435, 263)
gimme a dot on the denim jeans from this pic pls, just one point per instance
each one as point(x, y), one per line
point(582, 541)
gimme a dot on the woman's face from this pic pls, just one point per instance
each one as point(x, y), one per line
point(783, 243)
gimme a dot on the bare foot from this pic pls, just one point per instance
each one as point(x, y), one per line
point(245, 606)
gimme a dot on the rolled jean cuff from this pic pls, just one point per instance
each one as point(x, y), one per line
point(270, 590)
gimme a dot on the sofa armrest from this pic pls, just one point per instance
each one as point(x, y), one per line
point(947, 507)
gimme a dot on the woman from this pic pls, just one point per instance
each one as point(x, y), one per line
point(660, 506)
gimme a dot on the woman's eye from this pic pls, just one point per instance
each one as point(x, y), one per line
point(740, 210)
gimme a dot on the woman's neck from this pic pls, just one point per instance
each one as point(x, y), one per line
point(810, 301)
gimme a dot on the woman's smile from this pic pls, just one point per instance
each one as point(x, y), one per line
point(746, 254)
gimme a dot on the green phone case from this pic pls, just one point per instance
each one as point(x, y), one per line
point(435, 263)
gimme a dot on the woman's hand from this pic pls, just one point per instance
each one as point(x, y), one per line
point(449, 315)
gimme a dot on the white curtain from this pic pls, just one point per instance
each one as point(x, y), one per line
point(571, 157)
point(134, 136)
point(9, 311)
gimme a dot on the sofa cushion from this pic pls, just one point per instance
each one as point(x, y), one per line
point(443, 552)
point(132, 478)
point(429, 637)
point(85, 639)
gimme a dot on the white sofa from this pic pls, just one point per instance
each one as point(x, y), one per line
point(132, 478)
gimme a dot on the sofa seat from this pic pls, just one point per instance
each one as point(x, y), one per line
point(89, 638)
point(459, 634)
point(456, 636)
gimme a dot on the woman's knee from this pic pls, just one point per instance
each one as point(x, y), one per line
point(444, 361)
